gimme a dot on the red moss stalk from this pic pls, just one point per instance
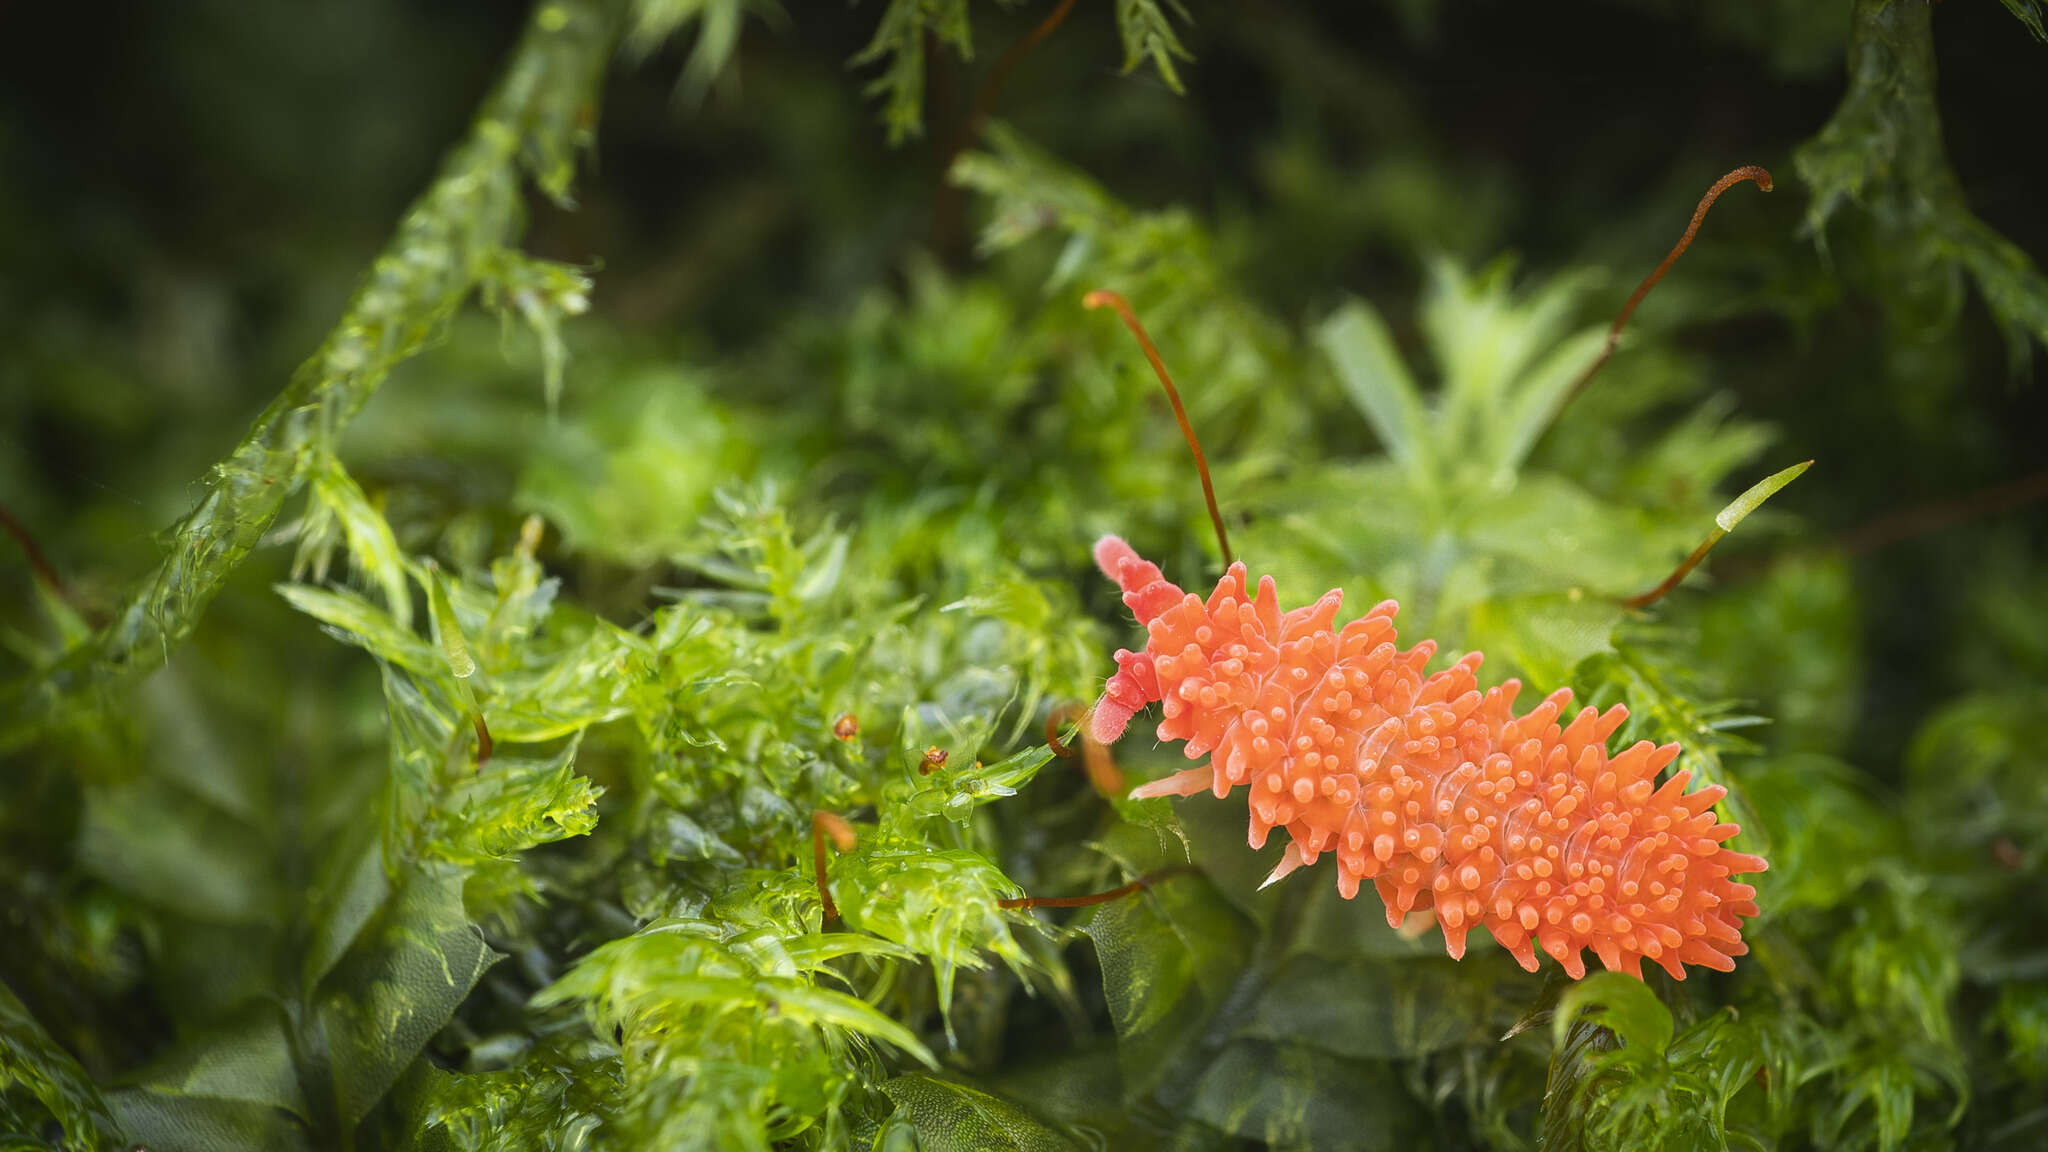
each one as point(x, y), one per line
point(1749, 172)
point(1146, 881)
point(1100, 298)
point(829, 825)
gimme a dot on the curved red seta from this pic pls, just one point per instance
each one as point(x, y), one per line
point(1432, 789)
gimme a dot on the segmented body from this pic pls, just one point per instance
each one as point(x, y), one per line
point(1430, 788)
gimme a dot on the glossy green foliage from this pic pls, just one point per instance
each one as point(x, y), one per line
point(627, 729)
point(726, 1039)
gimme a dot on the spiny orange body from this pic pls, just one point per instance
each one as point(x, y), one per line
point(1433, 790)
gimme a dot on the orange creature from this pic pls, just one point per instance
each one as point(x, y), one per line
point(1433, 790)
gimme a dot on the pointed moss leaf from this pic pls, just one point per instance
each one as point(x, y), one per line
point(425, 750)
point(1358, 344)
point(1739, 508)
point(447, 629)
point(2029, 13)
point(549, 671)
point(569, 680)
point(1726, 1050)
point(718, 24)
point(1020, 603)
point(1033, 192)
point(71, 627)
point(939, 904)
point(899, 43)
point(511, 805)
point(1595, 1078)
point(2014, 287)
point(396, 987)
point(355, 620)
point(31, 1061)
point(810, 953)
point(955, 793)
point(540, 293)
point(372, 548)
point(836, 1009)
point(948, 1116)
point(1146, 27)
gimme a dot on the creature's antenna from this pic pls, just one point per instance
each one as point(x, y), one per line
point(1099, 298)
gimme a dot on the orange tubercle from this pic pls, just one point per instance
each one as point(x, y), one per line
point(1432, 789)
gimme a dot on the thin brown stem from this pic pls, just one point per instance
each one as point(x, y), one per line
point(1645, 599)
point(484, 744)
point(1699, 216)
point(45, 572)
point(1725, 521)
point(1097, 299)
point(986, 98)
point(946, 206)
point(1118, 893)
point(830, 825)
point(1060, 717)
point(1935, 515)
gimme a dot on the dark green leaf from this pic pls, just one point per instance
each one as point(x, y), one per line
point(952, 1117)
point(396, 986)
